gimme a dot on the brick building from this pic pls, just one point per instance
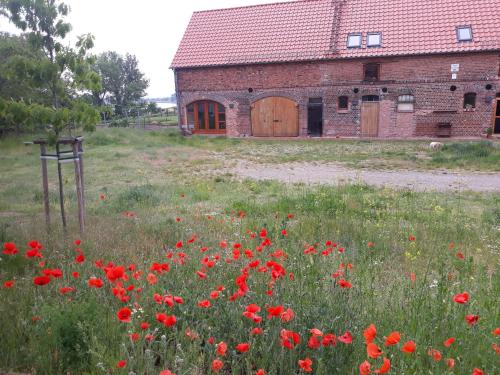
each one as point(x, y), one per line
point(357, 68)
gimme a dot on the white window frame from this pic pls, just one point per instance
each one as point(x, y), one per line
point(368, 44)
point(349, 36)
point(460, 28)
point(406, 103)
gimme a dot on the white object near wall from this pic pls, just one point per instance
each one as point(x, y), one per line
point(455, 68)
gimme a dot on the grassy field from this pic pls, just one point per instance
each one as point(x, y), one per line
point(232, 244)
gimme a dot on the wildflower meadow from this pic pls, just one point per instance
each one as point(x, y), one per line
point(180, 272)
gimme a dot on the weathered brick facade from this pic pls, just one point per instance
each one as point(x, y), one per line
point(428, 78)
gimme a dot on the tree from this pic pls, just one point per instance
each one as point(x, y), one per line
point(63, 72)
point(15, 53)
point(123, 84)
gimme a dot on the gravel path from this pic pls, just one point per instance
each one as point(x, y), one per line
point(334, 174)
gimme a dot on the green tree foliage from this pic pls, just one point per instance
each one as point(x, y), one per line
point(57, 75)
point(123, 84)
point(15, 53)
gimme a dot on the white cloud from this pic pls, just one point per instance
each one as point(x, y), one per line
point(149, 29)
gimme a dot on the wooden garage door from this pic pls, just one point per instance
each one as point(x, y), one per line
point(275, 117)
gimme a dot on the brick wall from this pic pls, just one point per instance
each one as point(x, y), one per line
point(427, 78)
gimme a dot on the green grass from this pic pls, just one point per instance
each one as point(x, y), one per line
point(161, 176)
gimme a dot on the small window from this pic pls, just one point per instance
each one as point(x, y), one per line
point(374, 40)
point(470, 100)
point(343, 103)
point(406, 103)
point(372, 72)
point(464, 33)
point(354, 41)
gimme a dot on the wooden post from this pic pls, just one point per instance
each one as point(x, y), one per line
point(45, 184)
point(78, 182)
point(80, 155)
point(61, 188)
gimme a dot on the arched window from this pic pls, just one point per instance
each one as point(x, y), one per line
point(470, 100)
point(206, 116)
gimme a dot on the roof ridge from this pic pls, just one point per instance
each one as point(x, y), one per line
point(255, 6)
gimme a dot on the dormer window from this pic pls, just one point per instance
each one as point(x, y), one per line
point(374, 40)
point(354, 40)
point(464, 33)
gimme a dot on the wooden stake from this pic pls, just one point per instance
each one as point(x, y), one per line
point(45, 184)
point(61, 191)
point(79, 192)
point(80, 155)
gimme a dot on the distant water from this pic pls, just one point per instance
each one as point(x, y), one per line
point(166, 105)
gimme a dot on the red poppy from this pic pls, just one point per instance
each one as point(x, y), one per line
point(373, 351)
point(411, 238)
point(365, 368)
point(8, 284)
point(314, 342)
point(392, 339)
point(260, 372)
point(221, 349)
point(243, 347)
point(166, 372)
point(80, 258)
point(305, 364)
point(289, 339)
point(384, 369)
point(77, 242)
point(408, 347)
point(461, 298)
point(121, 364)
point(471, 319)
point(256, 331)
point(9, 248)
point(101, 197)
point(329, 340)
point(371, 244)
point(115, 273)
point(346, 338)
point(41, 280)
point(496, 332)
point(144, 326)
point(134, 337)
point(370, 333)
point(94, 282)
point(166, 320)
point(275, 311)
point(75, 275)
point(217, 365)
point(287, 315)
point(448, 342)
point(435, 354)
point(204, 304)
point(450, 362)
point(124, 315)
point(477, 371)
point(460, 255)
point(66, 290)
point(344, 284)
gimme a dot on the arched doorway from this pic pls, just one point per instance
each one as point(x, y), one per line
point(206, 117)
point(275, 117)
point(369, 115)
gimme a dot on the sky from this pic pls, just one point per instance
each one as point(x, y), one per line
point(149, 29)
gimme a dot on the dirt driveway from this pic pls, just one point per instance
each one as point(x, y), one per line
point(334, 174)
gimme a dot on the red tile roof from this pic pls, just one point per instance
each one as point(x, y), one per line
point(412, 27)
point(308, 30)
